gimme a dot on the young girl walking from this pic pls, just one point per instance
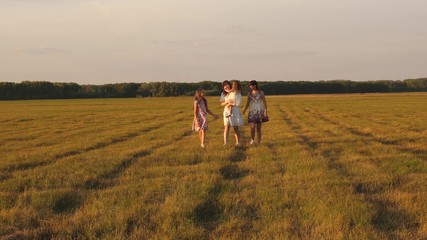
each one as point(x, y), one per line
point(257, 110)
point(201, 110)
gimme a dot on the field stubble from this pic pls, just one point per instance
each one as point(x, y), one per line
point(329, 167)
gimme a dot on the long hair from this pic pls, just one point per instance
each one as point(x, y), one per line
point(225, 82)
point(198, 96)
point(238, 85)
point(254, 83)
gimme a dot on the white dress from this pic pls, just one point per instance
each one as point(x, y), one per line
point(236, 117)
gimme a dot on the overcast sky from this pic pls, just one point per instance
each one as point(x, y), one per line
point(106, 41)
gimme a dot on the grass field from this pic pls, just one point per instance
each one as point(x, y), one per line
point(329, 167)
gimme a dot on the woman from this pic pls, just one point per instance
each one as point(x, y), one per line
point(257, 111)
point(232, 98)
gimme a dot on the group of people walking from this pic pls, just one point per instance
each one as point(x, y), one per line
point(231, 100)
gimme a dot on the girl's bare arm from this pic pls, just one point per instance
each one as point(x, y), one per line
point(247, 105)
point(195, 109)
point(265, 102)
point(211, 113)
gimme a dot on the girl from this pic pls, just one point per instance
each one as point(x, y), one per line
point(226, 85)
point(233, 99)
point(257, 111)
point(201, 110)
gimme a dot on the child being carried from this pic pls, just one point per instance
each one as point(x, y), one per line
point(227, 109)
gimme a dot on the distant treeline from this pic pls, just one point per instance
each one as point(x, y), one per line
point(49, 90)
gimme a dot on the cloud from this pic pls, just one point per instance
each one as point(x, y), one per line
point(42, 50)
point(240, 30)
point(31, 2)
point(183, 43)
point(270, 56)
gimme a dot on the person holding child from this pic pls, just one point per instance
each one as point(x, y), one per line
point(226, 86)
point(201, 110)
point(257, 110)
point(231, 99)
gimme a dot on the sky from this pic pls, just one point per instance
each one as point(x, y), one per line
point(106, 41)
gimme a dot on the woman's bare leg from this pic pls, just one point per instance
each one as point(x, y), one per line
point(253, 132)
point(237, 134)
point(258, 129)
point(226, 131)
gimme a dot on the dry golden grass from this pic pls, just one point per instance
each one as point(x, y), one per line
point(330, 167)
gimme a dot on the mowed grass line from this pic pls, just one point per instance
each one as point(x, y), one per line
point(310, 179)
point(89, 140)
point(58, 175)
point(64, 127)
point(331, 155)
point(52, 117)
point(385, 123)
point(227, 211)
point(379, 178)
point(180, 185)
point(328, 207)
point(103, 186)
point(114, 145)
point(40, 156)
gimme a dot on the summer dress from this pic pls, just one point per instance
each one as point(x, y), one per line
point(200, 121)
point(256, 109)
point(236, 117)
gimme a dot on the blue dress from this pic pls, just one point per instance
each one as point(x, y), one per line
point(200, 121)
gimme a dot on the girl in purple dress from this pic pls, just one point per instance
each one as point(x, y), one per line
point(257, 110)
point(201, 110)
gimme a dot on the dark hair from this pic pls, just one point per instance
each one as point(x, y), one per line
point(254, 83)
point(223, 84)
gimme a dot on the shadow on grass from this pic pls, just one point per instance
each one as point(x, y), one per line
point(67, 202)
point(208, 213)
point(390, 217)
point(233, 172)
point(196, 159)
point(239, 154)
point(103, 180)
